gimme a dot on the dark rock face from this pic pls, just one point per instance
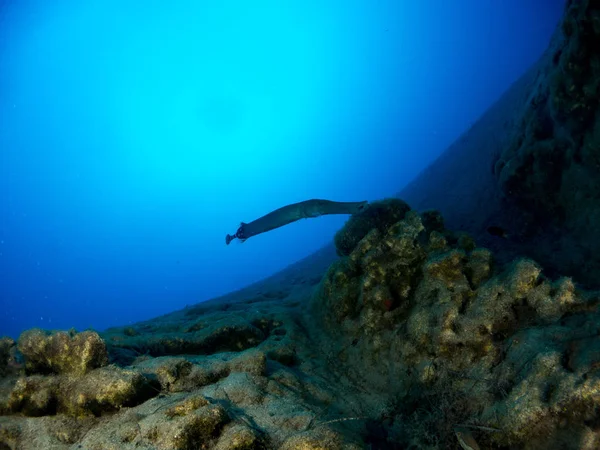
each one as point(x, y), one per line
point(551, 167)
point(531, 165)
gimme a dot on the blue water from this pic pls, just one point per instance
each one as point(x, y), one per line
point(135, 135)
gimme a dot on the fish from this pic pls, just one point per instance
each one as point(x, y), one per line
point(497, 231)
point(291, 213)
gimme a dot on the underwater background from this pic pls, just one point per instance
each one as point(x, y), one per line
point(134, 136)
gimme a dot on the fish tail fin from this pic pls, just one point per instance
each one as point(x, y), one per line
point(238, 234)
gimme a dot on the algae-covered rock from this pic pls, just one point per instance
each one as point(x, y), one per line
point(180, 374)
point(377, 215)
point(250, 361)
point(61, 352)
point(240, 437)
point(36, 395)
point(105, 389)
point(101, 390)
point(231, 333)
point(375, 282)
point(176, 374)
point(7, 347)
point(187, 406)
point(320, 438)
point(339, 291)
point(479, 267)
point(198, 426)
point(10, 433)
point(433, 220)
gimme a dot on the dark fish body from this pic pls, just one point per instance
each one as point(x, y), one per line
point(497, 231)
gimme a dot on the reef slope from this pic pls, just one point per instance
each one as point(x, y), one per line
point(413, 338)
point(406, 333)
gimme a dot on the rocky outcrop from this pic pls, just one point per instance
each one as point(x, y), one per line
point(504, 352)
